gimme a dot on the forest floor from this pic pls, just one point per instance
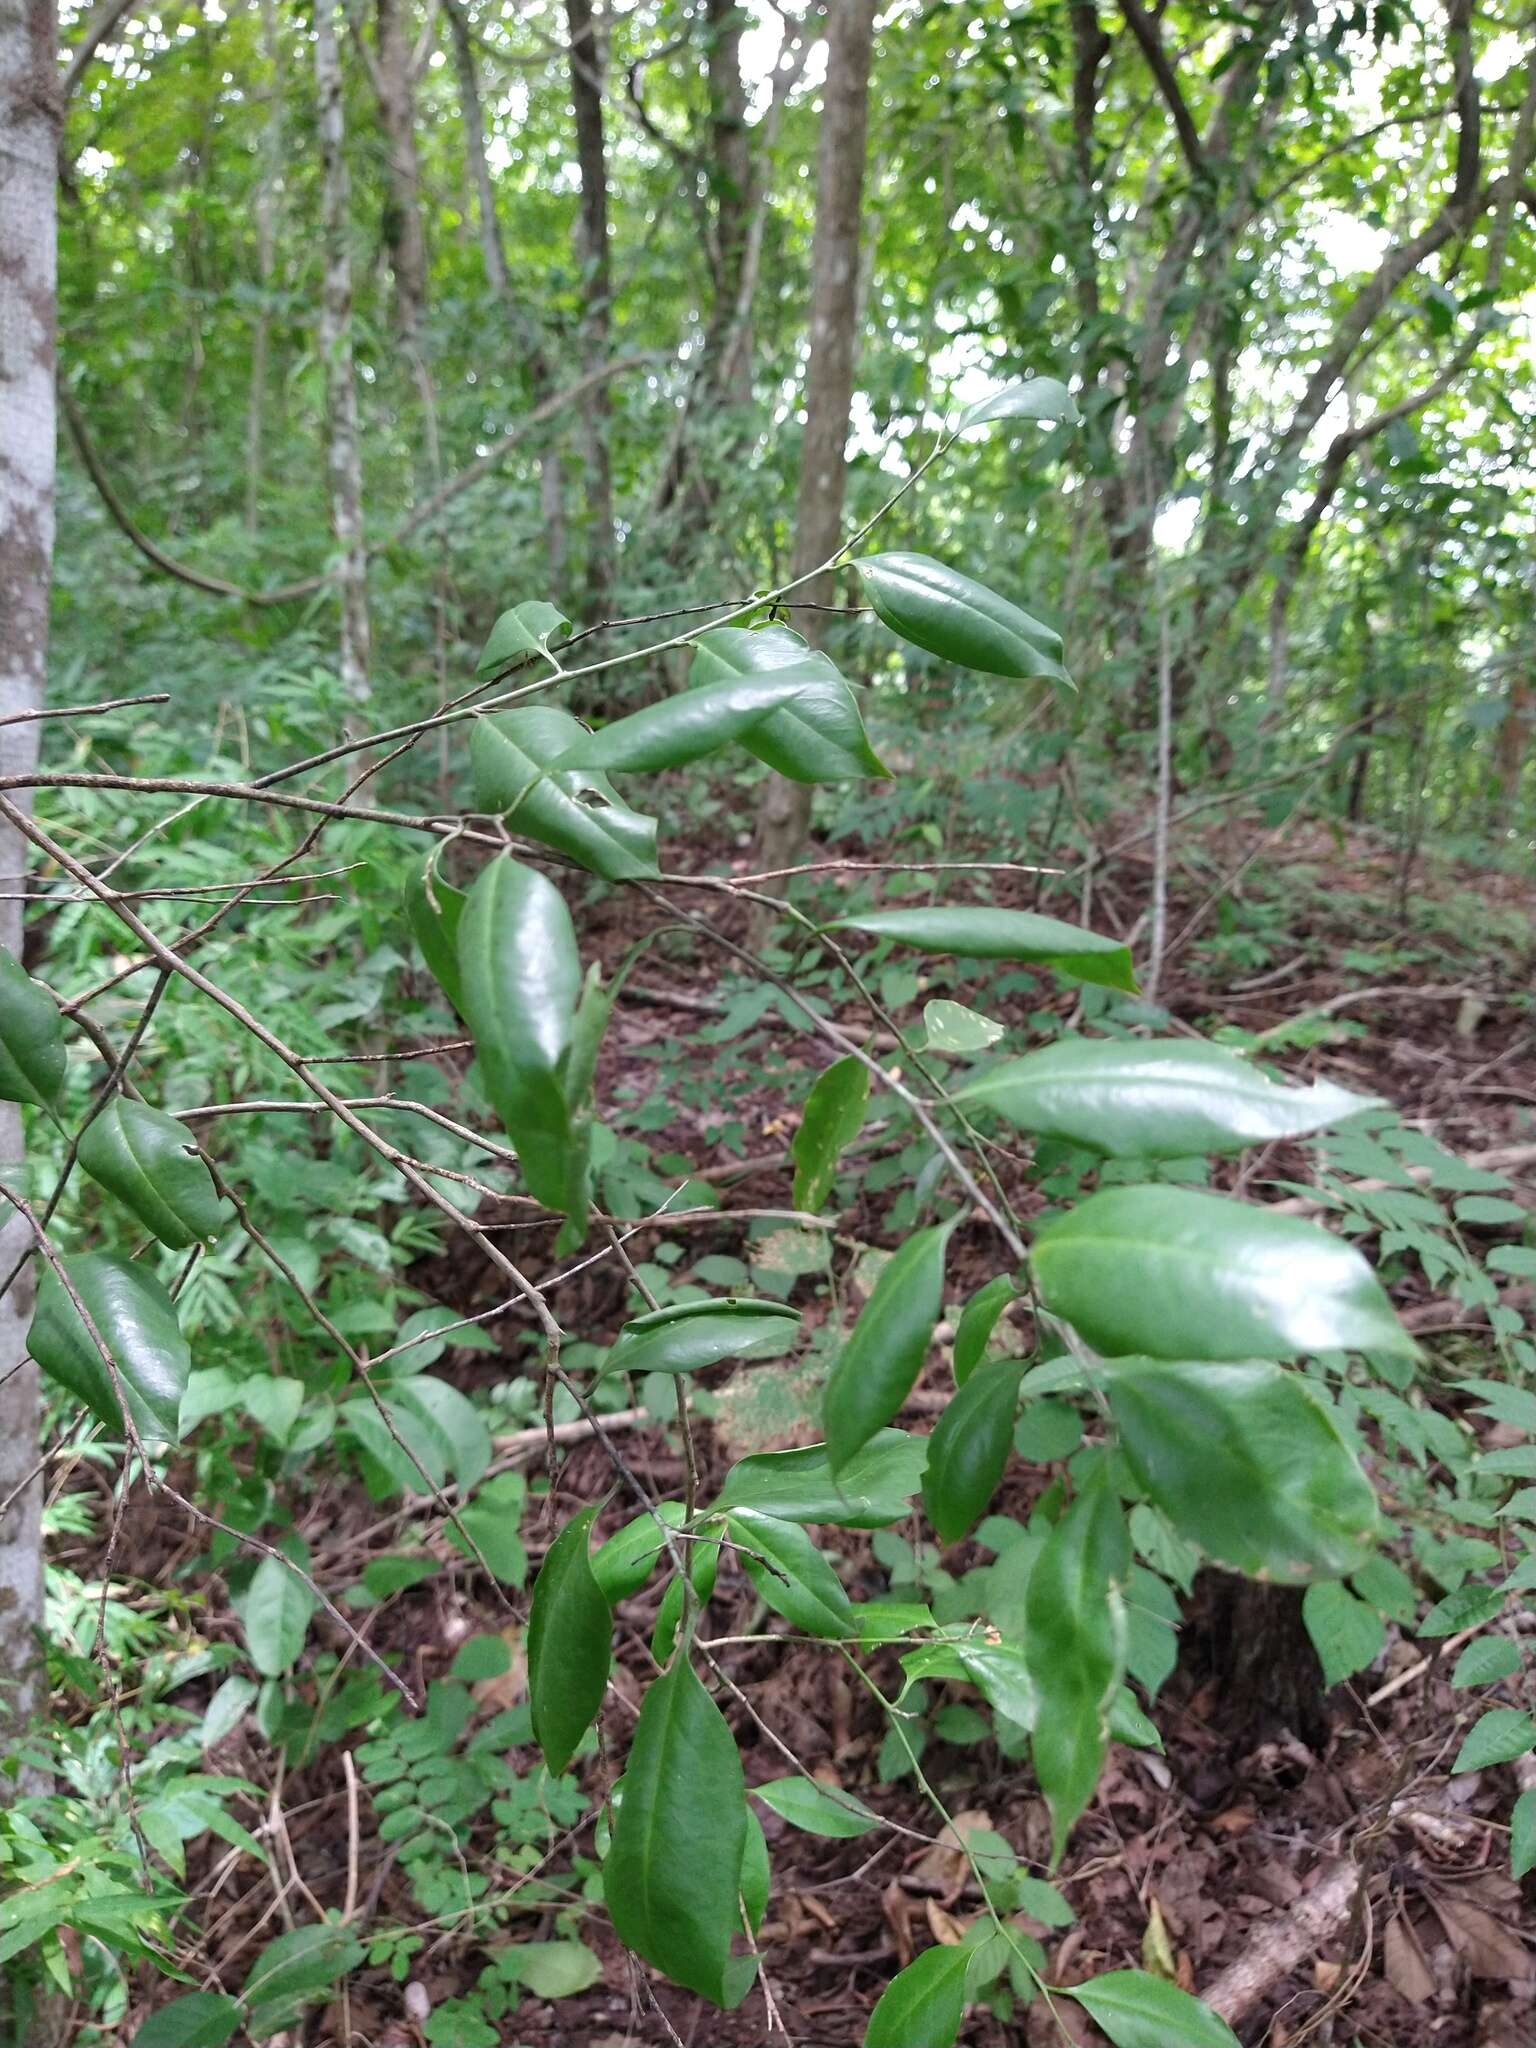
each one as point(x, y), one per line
point(1204, 1854)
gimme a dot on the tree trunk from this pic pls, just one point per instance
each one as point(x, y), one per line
point(786, 808)
point(404, 235)
point(266, 249)
point(30, 114)
point(497, 276)
point(343, 456)
point(597, 290)
point(731, 171)
point(1513, 743)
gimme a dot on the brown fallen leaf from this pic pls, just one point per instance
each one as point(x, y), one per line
point(1484, 1946)
point(1403, 1961)
point(944, 1926)
point(894, 1905)
point(944, 1867)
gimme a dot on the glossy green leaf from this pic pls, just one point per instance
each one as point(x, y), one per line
point(590, 1024)
point(201, 2019)
point(527, 628)
point(1249, 1461)
point(295, 1971)
point(819, 736)
point(877, 1366)
point(694, 1334)
point(147, 1159)
point(952, 1028)
point(1170, 1272)
point(791, 1574)
point(624, 1563)
point(1035, 398)
point(978, 1319)
point(520, 976)
point(873, 1489)
point(756, 1873)
point(575, 810)
point(1346, 1634)
point(136, 1320)
point(1074, 1649)
point(274, 1612)
point(817, 1809)
point(958, 618)
point(569, 1644)
point(696, 722)
point(1502, 1735)
point(923, 2005)
point(1166, 1098)
point(673, 1867)
point(974, 931)
point(434, 910)
point(832, 1119)
point(969, 1447)
point(32, 1055)
point(1138, 2010)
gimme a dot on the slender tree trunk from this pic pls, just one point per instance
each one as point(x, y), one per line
point(731, 171)
point(343, 456)
point(1512, 745)
point(597, 291)
point(786, 809)
point(404, 234)
point(266, 251)
point(498, 278)
point(30, 115)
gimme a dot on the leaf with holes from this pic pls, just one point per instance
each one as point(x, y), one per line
point(136, 1321)
point(148, 1160)
point(575, 810)
point(819, 735)
point(569, 1644)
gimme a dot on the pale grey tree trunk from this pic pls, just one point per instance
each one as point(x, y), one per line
point(30, 108)
point(786, 808)
point(265, 210)
point(343, 456)
point(404, 230)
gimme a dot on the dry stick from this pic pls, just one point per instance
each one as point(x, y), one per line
point(1280, 1944)
point(84, 710)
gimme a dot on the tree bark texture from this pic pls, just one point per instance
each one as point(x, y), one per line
point(30, 116)
point(343, 454)
point(840, 150)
